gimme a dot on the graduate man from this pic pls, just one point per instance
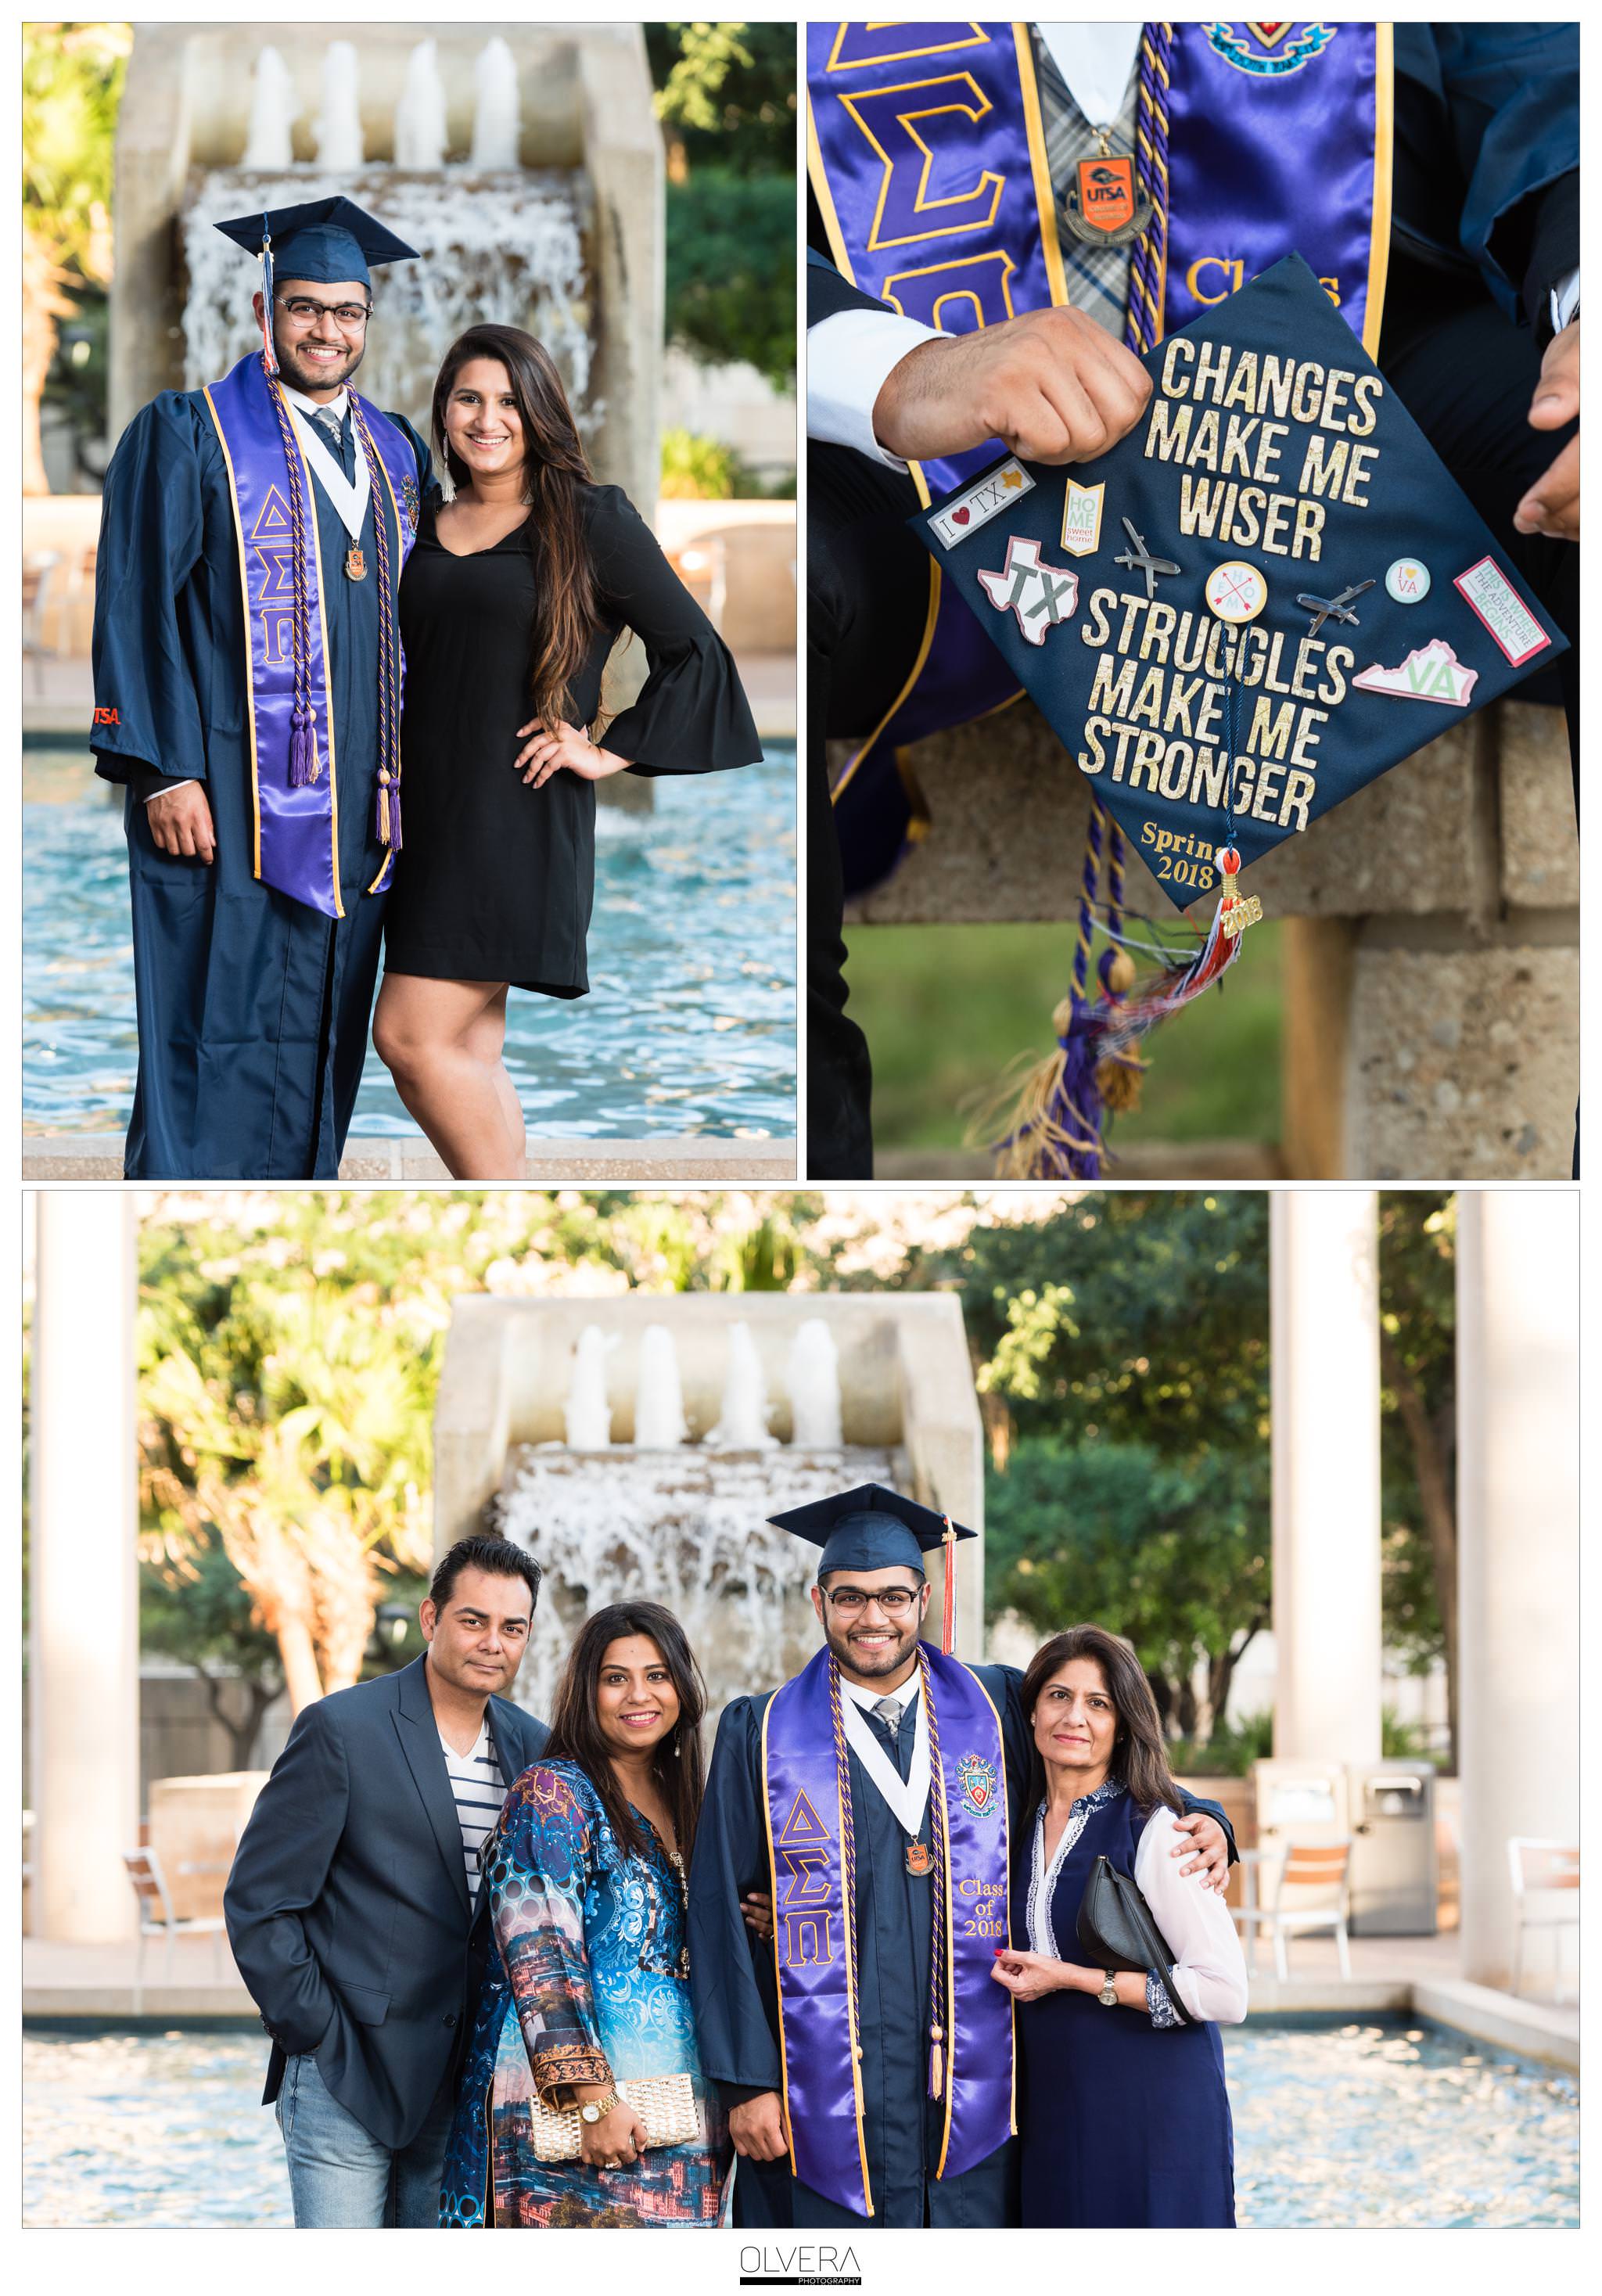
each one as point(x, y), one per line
point(247, 690)
point(864, 2055)
point(965, 289)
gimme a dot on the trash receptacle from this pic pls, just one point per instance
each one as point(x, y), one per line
point(1394, 1878)
point(1299, 1801)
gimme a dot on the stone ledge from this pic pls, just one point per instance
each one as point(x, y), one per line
point(633, 1163)
point(1462, 1065)
point(1534, 2028)
point(1007, 814)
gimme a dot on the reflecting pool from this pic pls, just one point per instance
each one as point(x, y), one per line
point(1381, 2123)
point(689, 1026)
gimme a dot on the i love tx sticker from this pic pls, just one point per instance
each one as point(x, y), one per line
point(997, 490)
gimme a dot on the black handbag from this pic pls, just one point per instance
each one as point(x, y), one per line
point(1116, 1929)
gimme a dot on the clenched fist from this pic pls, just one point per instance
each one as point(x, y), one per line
point(180, 822)
point(1053, 386)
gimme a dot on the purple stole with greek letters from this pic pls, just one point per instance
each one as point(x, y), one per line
point(296, 826)
point(806, 1793)
point(926, 153)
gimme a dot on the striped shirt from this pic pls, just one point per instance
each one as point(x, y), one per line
point(478, 1789)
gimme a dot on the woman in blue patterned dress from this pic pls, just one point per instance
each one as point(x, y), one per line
point(1123, 2116)
point(584, 1874)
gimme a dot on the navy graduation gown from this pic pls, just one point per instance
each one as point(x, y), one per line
point(736, 2012)
point(254, 1008)
point(737, 2009)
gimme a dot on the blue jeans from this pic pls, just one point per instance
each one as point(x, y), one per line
point(341, 2179)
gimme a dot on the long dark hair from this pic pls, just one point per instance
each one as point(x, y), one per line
point(556, 471)
point(1140, 1756)
point(576, 1728)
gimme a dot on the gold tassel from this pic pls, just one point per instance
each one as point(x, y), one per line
point(1118, 1080)
point(937, 2064)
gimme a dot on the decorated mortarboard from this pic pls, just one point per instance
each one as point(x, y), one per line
point(1266, 595)
point(875, 1529)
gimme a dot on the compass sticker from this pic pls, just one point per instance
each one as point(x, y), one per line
point(1236, 592)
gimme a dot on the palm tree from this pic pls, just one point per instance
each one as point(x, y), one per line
point(71, 85)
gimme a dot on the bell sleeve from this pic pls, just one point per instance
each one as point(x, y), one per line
point(147, 711)
point(691, 716)
point(536, 1868)
point(1209, 1969)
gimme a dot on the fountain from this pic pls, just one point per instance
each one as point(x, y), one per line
point(271, 142)
point(742, 1421)
point(420, 134)
point(495, 114)
point(659, 1420)
point(812, 1376)
point(718, 1412)
point(339, 127)
point(552, 224)
point(586, 1413)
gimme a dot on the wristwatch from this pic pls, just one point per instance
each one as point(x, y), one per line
point(1108, 1995)
point(599, 2107)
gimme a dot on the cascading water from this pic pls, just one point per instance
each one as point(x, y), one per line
point(496, 243)
point(685, 1528)
point(742, 1420)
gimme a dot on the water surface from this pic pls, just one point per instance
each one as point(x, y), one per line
point(689, 1026)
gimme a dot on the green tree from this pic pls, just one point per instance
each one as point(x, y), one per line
point(193, 1608)
point(1419, 1458)
point(1121, 1354)
point(72, 77)
point(726, 97)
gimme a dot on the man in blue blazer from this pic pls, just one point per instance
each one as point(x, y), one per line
point(354, 1908)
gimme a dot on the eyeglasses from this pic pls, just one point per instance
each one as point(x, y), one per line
point(850, 1601)
point(350, 318)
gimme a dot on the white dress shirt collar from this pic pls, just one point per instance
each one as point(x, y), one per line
point(907, 1693)
point(1096, 61)
point(334, 406)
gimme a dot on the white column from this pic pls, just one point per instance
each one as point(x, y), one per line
point(84, 1622)
point(1324, 1391)
point(1518, 1549)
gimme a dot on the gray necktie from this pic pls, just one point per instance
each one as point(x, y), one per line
point(333, 430)
point(889, 1711)
point(1098, 278)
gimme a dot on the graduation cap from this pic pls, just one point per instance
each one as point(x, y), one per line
point(321, 240)
point(873, 1529)
point(327, 241)
point(1273, 568)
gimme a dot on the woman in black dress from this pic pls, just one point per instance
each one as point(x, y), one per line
point(513, 597)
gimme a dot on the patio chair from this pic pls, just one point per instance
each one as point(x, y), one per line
point(38, 572)
point(1309, 1892)
point(1549, 1871)
point(157, 1918)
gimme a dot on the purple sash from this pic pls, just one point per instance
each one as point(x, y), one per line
point(812, 1861)
point(297, 834)
point(926, 153)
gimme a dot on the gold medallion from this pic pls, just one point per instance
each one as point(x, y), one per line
point(356, 565)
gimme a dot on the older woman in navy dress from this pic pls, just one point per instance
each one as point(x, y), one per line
point(1124, 2115)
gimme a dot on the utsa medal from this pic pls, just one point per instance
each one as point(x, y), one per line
point(356, 565)
point(919, 1859)
point(1106, 207)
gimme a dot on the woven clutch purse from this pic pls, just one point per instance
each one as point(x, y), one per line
point(667, 2107)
